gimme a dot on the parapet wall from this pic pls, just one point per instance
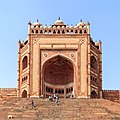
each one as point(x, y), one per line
point(113, 95)
point(8, 92)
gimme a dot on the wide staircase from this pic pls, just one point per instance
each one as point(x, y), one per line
point(67, 109)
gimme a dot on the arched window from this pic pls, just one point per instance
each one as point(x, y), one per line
point(32, 31)
point(63, 31)
point(54, 32)
point(24, 94)
point(41, 31)
point(45, 31)
point(56, 91)
point(85, 31)
point(80, 31)
point(76, 31)
point(93, 94)
point(93, 62)
point(62, 91)
point(58, 32)
point(36, 31)
point(24, 62)
point(67, 31)
point(59, 91)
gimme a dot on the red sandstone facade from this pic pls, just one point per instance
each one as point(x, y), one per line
point(8, 92)
point(59, 59)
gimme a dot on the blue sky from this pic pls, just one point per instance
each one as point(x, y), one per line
point(103, 15)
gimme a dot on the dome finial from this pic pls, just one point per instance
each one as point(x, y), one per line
point(59, 18)
point(29, 22)
point(88, 23)
point(80, 20)
point(37, 20)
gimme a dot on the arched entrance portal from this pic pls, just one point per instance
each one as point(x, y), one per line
point(24, 94)
point(93, 94)
point(58, 77)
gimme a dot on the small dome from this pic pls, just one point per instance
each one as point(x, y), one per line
point(67, 26)
point(59, 22)
point(36, 23)
point(50, 26)
point(45, 26)
point(54, 26)
point(76, 26)
point(41, 26)
point(58, 26)
point(71, 26)
point(32, 26)
point(80, 23)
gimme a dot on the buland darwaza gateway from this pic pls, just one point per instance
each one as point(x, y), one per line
point(59, 59)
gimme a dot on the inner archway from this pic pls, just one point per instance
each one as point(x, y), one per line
point(93, 94)
point(58, 74)
point(24, 94)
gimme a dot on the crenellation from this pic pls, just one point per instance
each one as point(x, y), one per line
point(59, 28)
point(8, 92)
point(8, 88)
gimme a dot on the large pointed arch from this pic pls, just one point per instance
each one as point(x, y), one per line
point(58, 76)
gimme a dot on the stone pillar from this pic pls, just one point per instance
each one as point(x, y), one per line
point(29, 60)
point(77, 87)
point(88, 26)
point(64, 92)
point(39, 71)
point(100, 64)
point(89, 79)
point(18, 72)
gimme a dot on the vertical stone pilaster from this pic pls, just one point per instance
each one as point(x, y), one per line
point(29, 66)
point(100, 71)
point(88, 67)
point(78, 81)
point(18, 72)
point(39, 71)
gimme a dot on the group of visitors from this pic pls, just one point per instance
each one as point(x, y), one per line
point(54, 97)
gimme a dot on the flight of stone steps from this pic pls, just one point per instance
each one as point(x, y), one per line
point(68, 109)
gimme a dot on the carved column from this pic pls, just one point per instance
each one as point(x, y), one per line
point(88, 79)
point(78, 81)
point(18, 76)
point(29, 61)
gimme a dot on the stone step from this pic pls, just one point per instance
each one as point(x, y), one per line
point(76, 109)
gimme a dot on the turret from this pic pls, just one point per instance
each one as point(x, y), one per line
point(29, 27)
point(88, 26)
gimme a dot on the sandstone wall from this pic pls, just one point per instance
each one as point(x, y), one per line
point(8, 92)
point(113, 95)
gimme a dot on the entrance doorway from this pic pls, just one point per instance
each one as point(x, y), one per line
point(24, 94)
point(93, 94)
point(58, 77)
